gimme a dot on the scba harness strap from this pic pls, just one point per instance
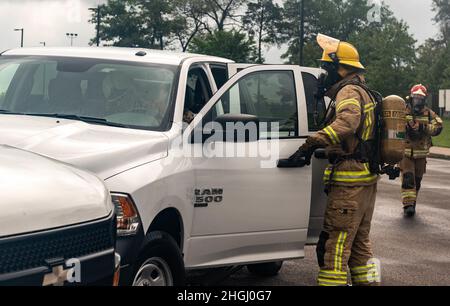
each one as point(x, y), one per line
point(364, 150)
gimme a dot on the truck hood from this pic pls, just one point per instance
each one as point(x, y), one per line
point(39, 194)
point(103, 150)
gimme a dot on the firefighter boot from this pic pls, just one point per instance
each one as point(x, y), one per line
point(410, 211)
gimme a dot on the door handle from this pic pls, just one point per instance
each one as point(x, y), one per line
point(287, 163)
point(320, 154)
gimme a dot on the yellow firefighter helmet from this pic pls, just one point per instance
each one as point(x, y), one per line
point(344, 52)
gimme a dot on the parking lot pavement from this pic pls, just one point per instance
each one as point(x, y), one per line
point(412, 251)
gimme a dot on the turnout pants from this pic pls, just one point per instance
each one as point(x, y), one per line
point(344, 244)
point(413, 171)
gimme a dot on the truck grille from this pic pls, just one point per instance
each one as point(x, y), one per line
point(31, 251)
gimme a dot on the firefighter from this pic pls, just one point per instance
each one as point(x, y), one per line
point(344, 242)
point(422, 124)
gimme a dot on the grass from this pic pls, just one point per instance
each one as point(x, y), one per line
point(443, 140)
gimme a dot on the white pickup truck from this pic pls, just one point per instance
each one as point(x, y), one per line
point(149, 124)
point(57, 224)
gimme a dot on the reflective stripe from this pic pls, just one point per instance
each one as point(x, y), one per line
point(416, 153)
point(350, 176)
point(332, 278)
point(367, 279)
point(368, 110)
point(365, 274)
point(369, 107)
point(368, 124)
point(326, 282)
point(363, 268)
point(409, 117)
point(339, 251)
point(420, 153)
point(347, 102)
point(332, 135)
point(333, 273)
point(409, 195)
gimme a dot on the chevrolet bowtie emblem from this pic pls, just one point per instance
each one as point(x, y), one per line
point(57, 277)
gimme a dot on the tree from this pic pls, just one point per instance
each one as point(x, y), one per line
point(442, 9)
point(386, 48)
point(136, 23)
point(337, 18)
point(433, 64)
point(433, 68)
point(229, 44)
point(189, 20)
point(388, 52)
point(261, 21)
point(219, 11)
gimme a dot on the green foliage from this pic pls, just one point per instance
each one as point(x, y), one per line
point(443, 140)
point(386, 48)
point(388, 52)
point(221, 12)
point(433, 65)
point(230, 28)
point(228, 44)
point(135, 23)
point(261, 21)
point(336, 18)
point(442, 9)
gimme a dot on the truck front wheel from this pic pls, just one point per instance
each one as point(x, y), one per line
point(161, 263)
point(267, 269)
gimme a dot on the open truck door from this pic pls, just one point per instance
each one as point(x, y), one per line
point(257, 210)
point(317, 109)
point(264, 211)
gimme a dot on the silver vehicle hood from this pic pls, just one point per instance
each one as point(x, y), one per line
point(39, 193)
point(103, 150)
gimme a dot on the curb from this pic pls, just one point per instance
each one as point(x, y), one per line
point(439, 156)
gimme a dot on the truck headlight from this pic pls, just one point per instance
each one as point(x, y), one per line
point(127, 216)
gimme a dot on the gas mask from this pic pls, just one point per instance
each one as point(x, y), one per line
point(418, 103)
point(329, 78)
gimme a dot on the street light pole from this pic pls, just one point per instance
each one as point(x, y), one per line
point(21, 39)
point(42, 43)
point(71, 36)
point(302, 30)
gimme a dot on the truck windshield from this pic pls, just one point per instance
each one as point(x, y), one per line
point(120, 94)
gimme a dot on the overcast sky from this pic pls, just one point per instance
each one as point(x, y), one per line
point(49, 20)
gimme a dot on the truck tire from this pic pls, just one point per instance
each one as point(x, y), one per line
point(161, 263)
point(267, 269)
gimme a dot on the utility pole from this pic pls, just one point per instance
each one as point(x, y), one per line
point(21, 39)
point(302, 30)
point(98, 17)
point(71, 36)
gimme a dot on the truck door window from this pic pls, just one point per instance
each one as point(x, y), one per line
point(269, 95)
point(220, 74)
point(198, 92)
point(316, 108)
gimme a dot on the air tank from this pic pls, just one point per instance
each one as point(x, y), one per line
point(393, 132)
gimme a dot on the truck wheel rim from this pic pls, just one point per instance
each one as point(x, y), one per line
point(154, 272)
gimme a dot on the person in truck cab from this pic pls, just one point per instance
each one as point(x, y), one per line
point(352, 187)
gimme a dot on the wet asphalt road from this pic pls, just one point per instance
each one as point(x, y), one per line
point(412, 251)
